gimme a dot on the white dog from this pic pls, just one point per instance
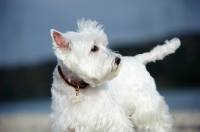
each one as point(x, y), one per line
point(97, 90)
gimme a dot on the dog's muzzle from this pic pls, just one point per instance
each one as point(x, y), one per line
point(117, 60)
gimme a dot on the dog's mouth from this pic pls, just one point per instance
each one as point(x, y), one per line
point(106, 72)
point(115, 68)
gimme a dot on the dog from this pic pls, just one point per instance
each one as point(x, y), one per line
point(97, 90)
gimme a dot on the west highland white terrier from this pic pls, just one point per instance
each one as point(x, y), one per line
point(97, 90)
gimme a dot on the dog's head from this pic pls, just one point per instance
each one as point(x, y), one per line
point(85, 53)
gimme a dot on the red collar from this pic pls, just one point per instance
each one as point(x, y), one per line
point(81, 85)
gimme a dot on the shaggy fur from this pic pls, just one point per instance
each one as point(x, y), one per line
point(121, 94)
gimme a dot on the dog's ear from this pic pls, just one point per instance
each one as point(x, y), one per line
point(59, 39)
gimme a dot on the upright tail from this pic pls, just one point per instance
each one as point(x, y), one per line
point(160, 51)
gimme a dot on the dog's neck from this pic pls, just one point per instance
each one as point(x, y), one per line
point(70, 78)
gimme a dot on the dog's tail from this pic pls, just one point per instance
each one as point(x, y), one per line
point(160, 51)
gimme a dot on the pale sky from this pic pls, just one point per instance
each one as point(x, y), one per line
point(25, 25)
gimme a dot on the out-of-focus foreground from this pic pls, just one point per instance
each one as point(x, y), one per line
point(33, 115)
point(184, 121)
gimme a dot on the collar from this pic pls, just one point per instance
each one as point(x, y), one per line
point(77, 86)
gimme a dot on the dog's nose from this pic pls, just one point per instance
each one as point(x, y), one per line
point(117, 60)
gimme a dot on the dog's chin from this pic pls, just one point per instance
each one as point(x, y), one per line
point(109, 76)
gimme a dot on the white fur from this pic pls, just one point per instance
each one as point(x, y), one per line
point(118, 97)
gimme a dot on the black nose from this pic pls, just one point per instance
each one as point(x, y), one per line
point(117, 60)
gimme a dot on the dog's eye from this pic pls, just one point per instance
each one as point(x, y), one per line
point(94, 49)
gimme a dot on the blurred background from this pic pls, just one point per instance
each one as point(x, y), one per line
point(132, 26)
